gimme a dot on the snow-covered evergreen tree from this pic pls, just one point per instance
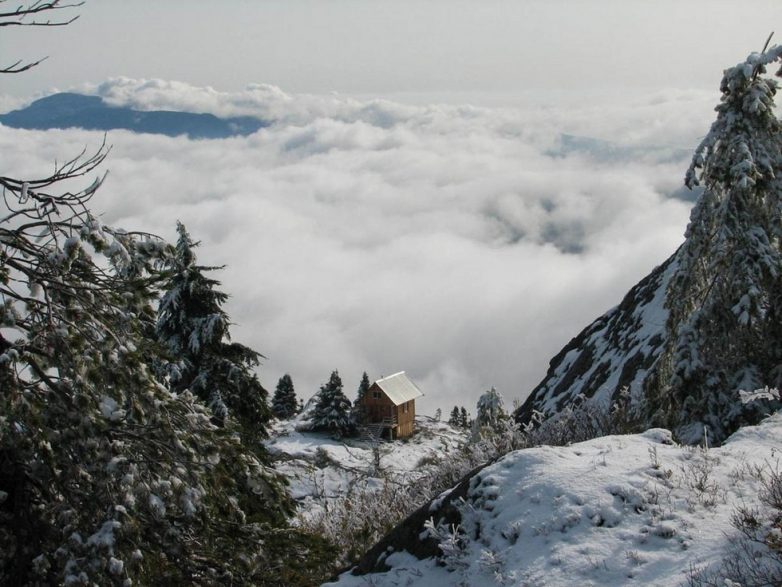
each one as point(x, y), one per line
point(363, 388)
point(725, 300)
point(464, 418)
point(193, 327)
point(490, 411)
point(454, 419)
point(284, 404)
point(333, 410)
point(106, 477)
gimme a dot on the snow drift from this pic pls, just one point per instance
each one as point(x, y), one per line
point(616, 510)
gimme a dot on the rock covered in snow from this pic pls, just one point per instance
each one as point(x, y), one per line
point(609, 511)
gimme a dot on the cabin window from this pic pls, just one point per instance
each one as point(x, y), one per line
point(404, 408)
point(376, 394)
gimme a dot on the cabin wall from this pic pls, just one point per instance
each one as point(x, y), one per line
point(377, 409)
point(405, 419)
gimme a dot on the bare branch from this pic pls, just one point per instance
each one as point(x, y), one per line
point(25, 15)
point(17, 17)
point(20, 67)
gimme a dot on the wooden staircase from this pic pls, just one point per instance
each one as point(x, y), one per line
point(373, 431)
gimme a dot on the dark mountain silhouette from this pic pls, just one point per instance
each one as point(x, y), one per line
point(69, 110)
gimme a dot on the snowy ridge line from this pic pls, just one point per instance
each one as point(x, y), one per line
point(616, 510)
point(615, 351)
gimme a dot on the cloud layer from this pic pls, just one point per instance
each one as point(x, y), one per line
point(463, 245)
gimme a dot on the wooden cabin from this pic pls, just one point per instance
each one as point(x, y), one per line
point(389, 406)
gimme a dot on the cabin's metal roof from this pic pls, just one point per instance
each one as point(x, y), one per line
point(399, 388)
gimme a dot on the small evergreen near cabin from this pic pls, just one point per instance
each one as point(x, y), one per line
point(193, 328)
point(454, 419)
point(284, 404)
point(333, 409)
point(464, 418)
point(363, 388)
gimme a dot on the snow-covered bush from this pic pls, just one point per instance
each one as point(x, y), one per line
point(583, 419)
point(755, 553)
point(755, 556)
point(355, 522)
point(490, 412)
point(451, 541)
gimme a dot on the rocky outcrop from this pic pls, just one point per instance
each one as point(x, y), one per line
point(616, 351)
point(411, 535)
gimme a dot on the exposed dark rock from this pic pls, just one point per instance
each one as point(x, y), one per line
point(407, 535)
point(611, 353)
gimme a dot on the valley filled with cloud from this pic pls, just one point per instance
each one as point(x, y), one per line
point(465, 245)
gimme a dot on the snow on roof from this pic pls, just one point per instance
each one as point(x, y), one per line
point(399, 388)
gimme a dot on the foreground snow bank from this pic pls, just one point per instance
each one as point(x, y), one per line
point(610, 511)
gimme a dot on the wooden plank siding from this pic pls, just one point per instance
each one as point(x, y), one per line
point(405, 419)
point(377, 407)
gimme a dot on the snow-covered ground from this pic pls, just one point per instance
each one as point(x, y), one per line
point(618, 510)
point(320, 468)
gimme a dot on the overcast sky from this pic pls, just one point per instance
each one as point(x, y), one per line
point(383, 47)
point(377, 228)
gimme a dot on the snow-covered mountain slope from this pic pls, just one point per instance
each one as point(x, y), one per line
point(615, 351)
point(617, 510)
point(320, 469)
point(704, 327)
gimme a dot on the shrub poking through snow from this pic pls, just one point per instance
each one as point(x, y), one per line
point(490, 412)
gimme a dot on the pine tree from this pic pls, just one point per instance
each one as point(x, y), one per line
point(106, 477)
point(193, 327)
point(725, 299)
point(333, 410)
point(454, 419)
point(284, 403)
point(363, 388)
point(464, 418)
point(120, 475)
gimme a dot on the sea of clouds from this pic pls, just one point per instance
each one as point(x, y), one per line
point(464, 245)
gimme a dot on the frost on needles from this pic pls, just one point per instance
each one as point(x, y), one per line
point(107, 475)
point(194, 329)
point(725, 299)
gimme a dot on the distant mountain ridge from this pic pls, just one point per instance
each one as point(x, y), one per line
point(71, 110)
